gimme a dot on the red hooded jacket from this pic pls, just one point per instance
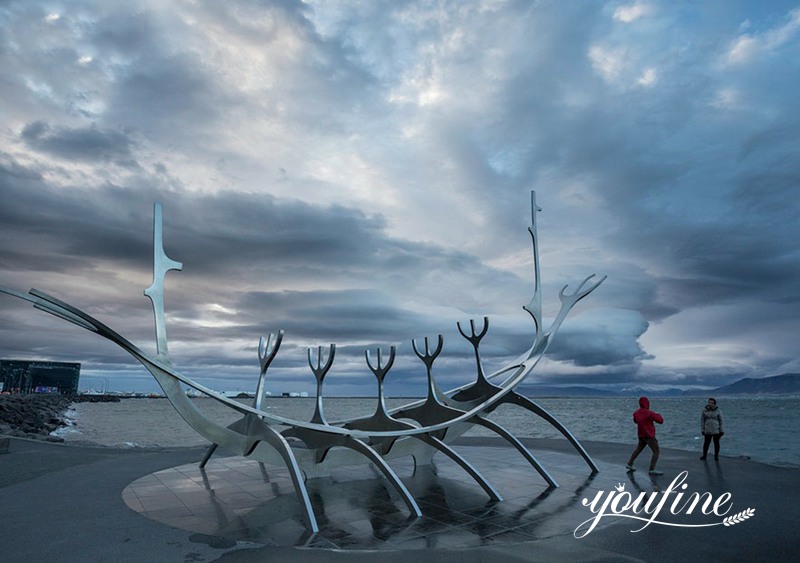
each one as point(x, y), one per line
point(644, 419)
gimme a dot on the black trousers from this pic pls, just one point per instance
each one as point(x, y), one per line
point(707, 442)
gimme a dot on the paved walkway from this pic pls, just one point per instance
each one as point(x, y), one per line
point(71, 503)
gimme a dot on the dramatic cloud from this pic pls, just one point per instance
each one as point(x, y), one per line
point(360, 174)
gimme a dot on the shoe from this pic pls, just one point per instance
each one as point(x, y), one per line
point(702, 457)
point(655, 472)
point(716, 458)
point(629, 467)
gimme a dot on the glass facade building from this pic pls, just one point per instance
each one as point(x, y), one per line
point(23, 376)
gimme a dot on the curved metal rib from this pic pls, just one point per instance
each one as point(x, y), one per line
point(279, 443)
point(514, 441)
point(524, 402)
point(362, 448)
point(467, 466)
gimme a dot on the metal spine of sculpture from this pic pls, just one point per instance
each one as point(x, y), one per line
point(309, 449)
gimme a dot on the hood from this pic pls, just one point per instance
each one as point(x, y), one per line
point(644, 402)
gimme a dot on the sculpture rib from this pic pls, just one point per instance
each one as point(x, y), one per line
point(519, 446)
point(387, 471)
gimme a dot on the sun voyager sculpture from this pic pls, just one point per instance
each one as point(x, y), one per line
point(312, 448)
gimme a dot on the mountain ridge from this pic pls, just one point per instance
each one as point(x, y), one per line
point(775, 385)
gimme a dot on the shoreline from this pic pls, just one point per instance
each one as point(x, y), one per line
point(39, 416)
point(47, 418)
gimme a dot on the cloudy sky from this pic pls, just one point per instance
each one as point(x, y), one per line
point(360, 173)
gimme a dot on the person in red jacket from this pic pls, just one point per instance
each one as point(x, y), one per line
point(646, 430)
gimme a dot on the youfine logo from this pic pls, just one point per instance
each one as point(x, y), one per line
point(649, 508)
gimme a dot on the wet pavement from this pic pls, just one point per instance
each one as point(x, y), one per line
point(357, 509)
point(71, 503)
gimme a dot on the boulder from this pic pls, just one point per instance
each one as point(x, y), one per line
point(32, 415)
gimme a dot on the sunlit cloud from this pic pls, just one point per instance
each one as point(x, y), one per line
point(631, 12)
point(648, 77)
point(747, 47)
point(608, 63)
point(361, 174)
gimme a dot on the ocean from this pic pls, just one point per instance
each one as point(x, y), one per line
point(762, 429)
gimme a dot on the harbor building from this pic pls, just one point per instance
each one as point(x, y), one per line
point(24, 376)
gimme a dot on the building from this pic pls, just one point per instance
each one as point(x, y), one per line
point(22, 376)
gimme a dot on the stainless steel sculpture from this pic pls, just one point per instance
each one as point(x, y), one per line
point(311, 449)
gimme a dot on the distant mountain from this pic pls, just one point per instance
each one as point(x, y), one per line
point(568, 391)
point(786, 384)
point(579, 391)
point(638, 392)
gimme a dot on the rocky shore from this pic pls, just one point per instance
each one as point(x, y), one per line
point(36, 416)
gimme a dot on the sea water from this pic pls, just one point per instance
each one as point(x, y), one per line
point(762, 429)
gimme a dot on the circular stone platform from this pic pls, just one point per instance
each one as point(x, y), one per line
point(242, 500)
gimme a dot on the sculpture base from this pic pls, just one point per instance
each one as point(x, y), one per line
point(242, 500)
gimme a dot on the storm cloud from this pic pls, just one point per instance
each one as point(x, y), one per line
point(360, 174)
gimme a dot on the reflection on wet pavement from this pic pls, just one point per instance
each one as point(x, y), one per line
point(242, 500)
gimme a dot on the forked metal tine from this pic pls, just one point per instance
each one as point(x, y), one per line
point(310, 361)
point(564, 296)
point(267, 348)
point(262, 352)
point(428, 357)
point(320, 370)
point(581, 292)
point(381, 371)
point(474, 338)
point(417, 352)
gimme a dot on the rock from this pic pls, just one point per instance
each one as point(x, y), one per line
point(32, 415)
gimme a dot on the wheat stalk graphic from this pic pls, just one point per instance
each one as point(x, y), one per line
point(740, 517)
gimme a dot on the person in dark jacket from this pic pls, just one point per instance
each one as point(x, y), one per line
point(711, 427)
point(646, 431)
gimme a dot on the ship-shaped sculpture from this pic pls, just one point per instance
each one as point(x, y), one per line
point(312, 448)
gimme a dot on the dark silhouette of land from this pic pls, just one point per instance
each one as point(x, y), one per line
point(787, 384)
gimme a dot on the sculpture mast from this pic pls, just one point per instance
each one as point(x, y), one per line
point(161, 265)
point(535, 305)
